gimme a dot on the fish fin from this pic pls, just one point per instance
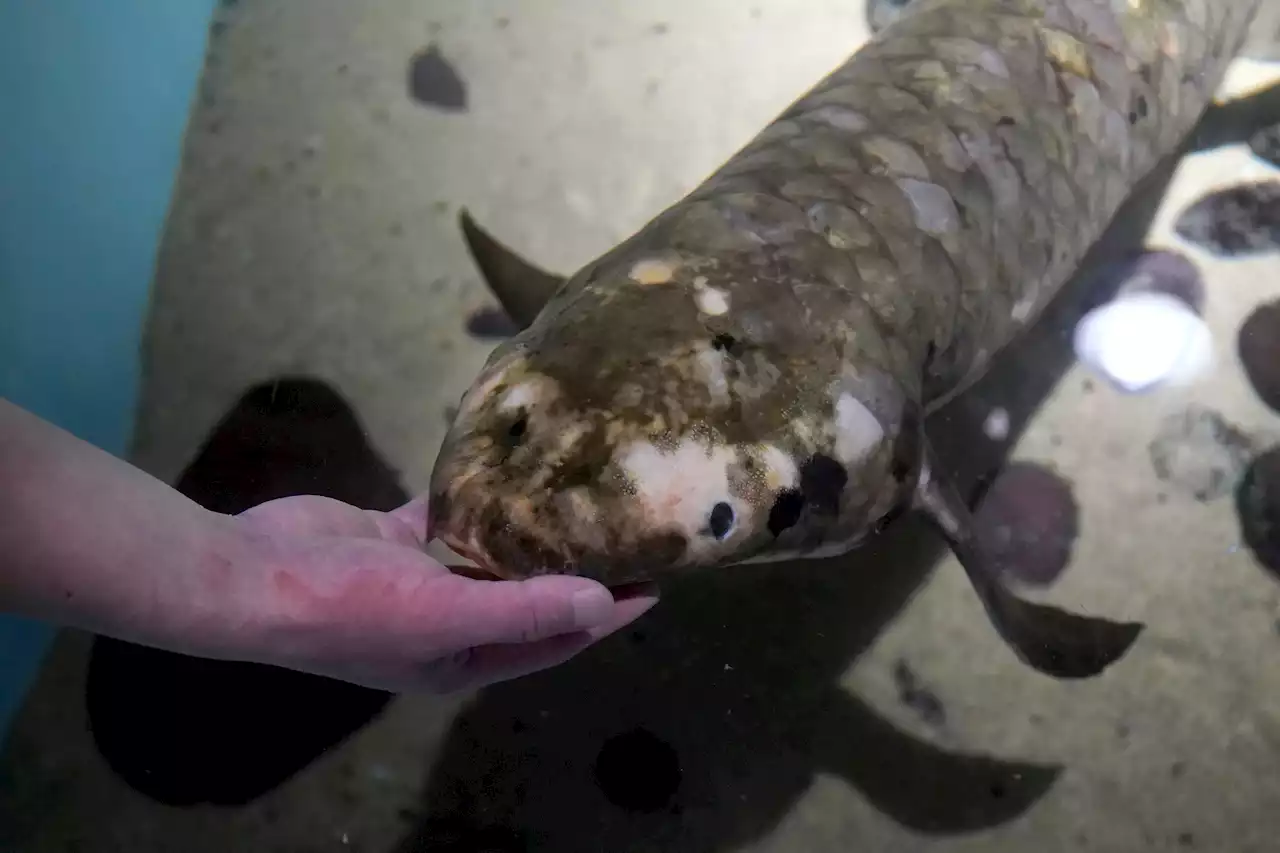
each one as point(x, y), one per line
point(1057, 643)
point(1235, 119)
point(522, 289)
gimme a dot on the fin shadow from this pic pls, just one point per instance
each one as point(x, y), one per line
point(185, 730)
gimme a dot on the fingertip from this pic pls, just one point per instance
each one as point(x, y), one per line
point(625, 611)
point(591, 601)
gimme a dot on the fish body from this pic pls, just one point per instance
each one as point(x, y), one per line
point(746, 378)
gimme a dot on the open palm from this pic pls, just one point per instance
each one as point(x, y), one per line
point(354, 596)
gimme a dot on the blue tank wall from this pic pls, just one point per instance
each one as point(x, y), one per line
point(94, 98)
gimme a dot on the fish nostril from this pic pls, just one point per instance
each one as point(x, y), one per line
point(518, 428)
point(720, 522)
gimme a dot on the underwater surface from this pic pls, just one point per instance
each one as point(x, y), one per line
point(317, 314)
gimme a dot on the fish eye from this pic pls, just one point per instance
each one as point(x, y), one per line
point(720, 522)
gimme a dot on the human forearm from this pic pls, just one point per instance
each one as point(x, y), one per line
point(305, 582)
point(90, 541)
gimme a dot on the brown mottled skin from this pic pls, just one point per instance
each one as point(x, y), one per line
point(883, 238)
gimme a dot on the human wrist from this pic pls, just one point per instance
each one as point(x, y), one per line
point(190, 592)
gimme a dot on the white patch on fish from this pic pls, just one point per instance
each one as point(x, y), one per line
point(996, 426)
point(898, 157)
point(857, 430)
point(678, 488)
point(519, 397)
point(780, 471)
point(710, 300)
point(711, 362)
point(485, 385)
point(838, 116)
point(1022, 308)
point(653, 271)
point(935, 212)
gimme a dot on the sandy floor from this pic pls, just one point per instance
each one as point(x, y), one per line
point(821, 708)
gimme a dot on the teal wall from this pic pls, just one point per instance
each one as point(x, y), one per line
point(94, 96)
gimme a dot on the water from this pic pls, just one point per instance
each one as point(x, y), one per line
point(310, 328)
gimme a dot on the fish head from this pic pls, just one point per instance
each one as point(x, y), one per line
point(632, 432)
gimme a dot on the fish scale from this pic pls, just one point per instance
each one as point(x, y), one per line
point(764, 352)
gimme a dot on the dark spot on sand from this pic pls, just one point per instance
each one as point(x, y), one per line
point(1028, 522)
point(822, 480)
point(638, 771)
point(1240, 220)
point(1177, 769)
point(1200, 452)
point(1258, 346)
point(501, 23)
point(187, 731)
point(1186, 839)
point(434, 81)
point(1158, 271)
point(916, 696)
point(660, 29)
point(491, 322)
point(786, 511)
point(1258, 510)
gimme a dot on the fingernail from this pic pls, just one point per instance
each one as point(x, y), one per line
point(591, 607)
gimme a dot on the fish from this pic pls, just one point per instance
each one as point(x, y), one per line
point(746, 377)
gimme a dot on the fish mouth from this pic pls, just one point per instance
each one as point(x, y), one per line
point(448, 526)
point(484, 568)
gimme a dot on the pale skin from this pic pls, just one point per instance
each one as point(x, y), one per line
point(307, 583)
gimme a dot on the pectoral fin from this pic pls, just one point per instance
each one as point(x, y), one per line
point(1053, 641)
point(1235, 119)
point(521, 288)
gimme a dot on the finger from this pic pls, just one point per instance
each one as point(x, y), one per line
point(504, 661)
point(415, 518)
point(483, 612)
point(625, 611)
point(313, 515)
point(486, 665)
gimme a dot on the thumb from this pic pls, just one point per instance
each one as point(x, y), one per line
point(486, 612)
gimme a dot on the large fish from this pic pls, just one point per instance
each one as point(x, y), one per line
point(746, 378)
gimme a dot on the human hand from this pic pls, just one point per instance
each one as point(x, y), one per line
point(349, 593)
